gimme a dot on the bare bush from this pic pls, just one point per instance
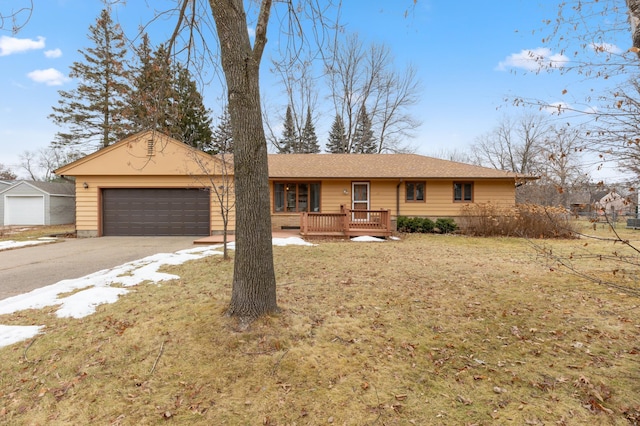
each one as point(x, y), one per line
point(523, 220)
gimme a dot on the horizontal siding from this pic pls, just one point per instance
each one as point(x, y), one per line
point(391, 195)
point(439, 198)
point(383, 195)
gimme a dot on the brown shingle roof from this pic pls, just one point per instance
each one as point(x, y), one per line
point(393, 166)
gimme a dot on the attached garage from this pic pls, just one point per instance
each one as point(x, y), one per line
point(151, 184)
point(156, 211)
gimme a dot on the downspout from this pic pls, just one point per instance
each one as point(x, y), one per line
point(398, 199)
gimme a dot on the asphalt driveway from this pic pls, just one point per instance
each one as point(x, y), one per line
point(31, 267)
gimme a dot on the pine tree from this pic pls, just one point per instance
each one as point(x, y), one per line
point(363, 140)
point(152, 100)
point(222, 140)
point(309, 139)
point(337, 143)
point(193, 125)
point(166, 98)
point(92, 113)
point(289, 142)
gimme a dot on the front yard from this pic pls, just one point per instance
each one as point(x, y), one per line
point(432, 329)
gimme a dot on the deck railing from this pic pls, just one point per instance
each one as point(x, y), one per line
point(348, 222)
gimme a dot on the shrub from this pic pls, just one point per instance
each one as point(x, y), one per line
point(414, 224)
point(446, 225)
point(426, 225)
point(523, 220)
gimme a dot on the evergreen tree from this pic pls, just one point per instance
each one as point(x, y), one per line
point(337, 143)
point(92, 113)
point(363, 140)
point(193, 125)
point(309, 139)
point(151, 102)
point(222, 140)
point(289, 141)
point(165, 98)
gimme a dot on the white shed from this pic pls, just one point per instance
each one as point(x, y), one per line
point(613, 203)
point(37, 203)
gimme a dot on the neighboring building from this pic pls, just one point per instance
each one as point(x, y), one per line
point(150, 184)
point(614, 205)
point(37, 203)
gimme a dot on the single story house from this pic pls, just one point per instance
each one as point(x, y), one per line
point(151, 184)
point(37, 203)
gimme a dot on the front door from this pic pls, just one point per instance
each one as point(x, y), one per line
point(360, 200)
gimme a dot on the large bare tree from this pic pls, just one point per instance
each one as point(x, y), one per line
point(254, 283)
point(514, 144)
point(364, 77)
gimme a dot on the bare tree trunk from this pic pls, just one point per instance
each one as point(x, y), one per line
point(254, 284)
point(634, 19)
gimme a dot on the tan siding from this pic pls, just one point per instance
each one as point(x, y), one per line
point(383, 195)
point(439, 198)
point(333, 196)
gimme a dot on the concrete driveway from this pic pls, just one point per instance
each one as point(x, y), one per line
point(27, 268)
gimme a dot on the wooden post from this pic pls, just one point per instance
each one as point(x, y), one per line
point(304, 223)
point(388, 221)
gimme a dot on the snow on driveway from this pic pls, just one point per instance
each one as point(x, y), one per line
point(97, 288)
point(7, 245)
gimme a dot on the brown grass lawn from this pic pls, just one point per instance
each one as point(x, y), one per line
point(429, 330)
point(25, 233)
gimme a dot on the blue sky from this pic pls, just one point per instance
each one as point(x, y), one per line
point(469, 57)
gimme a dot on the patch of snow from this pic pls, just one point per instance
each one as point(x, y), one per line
point(84, 303)
point(367, 239)
point(290, 241)
point(394, 238)
point(10, 244)
point(10, 334)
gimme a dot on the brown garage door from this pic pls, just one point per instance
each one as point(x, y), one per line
point(159, 211)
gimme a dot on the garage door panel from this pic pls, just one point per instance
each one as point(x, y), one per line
point(24, 210)
point(155, 211)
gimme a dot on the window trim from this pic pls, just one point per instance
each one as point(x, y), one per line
point(462, 194)
point(424, 191)
point(285, 183)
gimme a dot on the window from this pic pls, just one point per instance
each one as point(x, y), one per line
point(463, 192)
point(289, 197)
point(415, 191)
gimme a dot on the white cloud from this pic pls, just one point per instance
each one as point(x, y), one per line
point(50, 77)
point(533, 60)
point(10, 45)
point(54, 53)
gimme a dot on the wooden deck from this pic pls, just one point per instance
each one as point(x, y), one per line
point(346, 223)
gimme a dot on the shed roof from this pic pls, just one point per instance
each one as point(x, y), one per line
point(51, 188)
point(383, 166)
